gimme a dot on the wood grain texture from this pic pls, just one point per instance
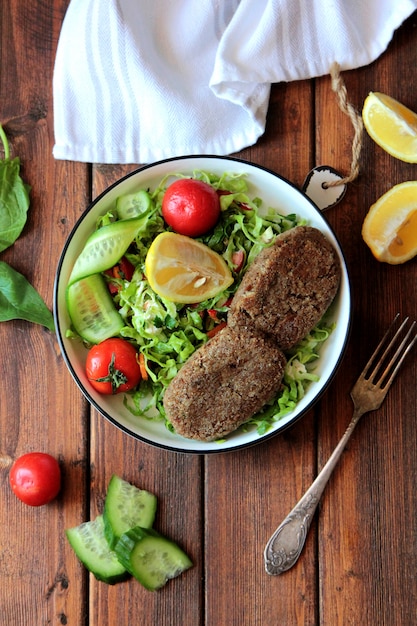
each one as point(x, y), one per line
point(40, 407)
point(366, 518)
point(359, 562)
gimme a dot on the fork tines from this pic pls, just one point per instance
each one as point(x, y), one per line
point(386, 363)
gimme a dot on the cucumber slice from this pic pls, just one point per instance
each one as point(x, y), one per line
point(151, 558)
point(125, 507)
point(105, 247)
point(91, 547)
point(133, 204)
point(91, 309)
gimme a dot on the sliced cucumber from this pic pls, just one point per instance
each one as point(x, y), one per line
point(125, 507)
point(133, 204)
point(105, 247)
point(91, 547)
point(151, 558)
point(91, 309)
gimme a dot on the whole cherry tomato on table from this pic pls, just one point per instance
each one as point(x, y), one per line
point(191, 207)
point(112, 366)
point(35, 478)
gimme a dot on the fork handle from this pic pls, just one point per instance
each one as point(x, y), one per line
point(286, 543)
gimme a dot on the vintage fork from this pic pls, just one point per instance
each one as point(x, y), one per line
point(285, 545)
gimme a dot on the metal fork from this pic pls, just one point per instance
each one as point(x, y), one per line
point(285, 545)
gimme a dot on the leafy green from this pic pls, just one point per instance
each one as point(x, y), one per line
point(14, 198)
point(168, 333)
point(19, 300)
point(298, 373)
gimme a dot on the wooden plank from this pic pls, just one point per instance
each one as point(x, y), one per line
point(40, 407)
point(367, 515)
point(249, 492)
point(176, 481)
point(286, 146)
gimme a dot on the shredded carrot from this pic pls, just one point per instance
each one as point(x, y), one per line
point(142, 366)
point(216, 329)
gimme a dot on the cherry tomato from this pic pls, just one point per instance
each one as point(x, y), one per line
point(112, 366)
point(191, 207)
point(35, 478)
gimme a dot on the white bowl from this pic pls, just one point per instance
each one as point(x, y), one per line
point(275, 192)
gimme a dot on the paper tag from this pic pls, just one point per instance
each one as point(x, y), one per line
point(315, 187)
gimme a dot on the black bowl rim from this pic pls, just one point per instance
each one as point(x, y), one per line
point(125, 429)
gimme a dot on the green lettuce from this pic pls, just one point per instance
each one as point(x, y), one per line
point(168, 333)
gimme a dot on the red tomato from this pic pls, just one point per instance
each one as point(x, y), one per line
point(112, 366)
point(191, 207)
point(35, 478)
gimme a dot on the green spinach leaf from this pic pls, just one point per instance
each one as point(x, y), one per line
point(14, 197)
point(19, 300)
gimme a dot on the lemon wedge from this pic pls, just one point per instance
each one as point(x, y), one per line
point(184, 270)
point(390, 227)
point(391, 125)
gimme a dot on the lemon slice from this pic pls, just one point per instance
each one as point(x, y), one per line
point(390, 227)
point(184, 270)
point(391, 125)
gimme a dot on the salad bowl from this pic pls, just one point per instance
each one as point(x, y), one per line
point(275, 192)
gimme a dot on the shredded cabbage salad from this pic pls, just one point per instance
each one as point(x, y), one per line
point(168, 333)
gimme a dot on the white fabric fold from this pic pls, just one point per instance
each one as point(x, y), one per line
point(138, 81)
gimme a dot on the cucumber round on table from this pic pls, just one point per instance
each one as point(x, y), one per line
point(125, 507)
point(91, 309)
point(91, 547)
point(151, 558)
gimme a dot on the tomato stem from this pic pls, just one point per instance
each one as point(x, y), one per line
point(114, 376)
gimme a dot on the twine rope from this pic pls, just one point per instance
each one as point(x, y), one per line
point(339, 88)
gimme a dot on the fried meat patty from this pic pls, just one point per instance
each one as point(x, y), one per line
point(283, 295)
point(223, 384)
point(288, 287)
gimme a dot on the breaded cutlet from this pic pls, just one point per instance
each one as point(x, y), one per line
point(223, 384)
point(283, 295)
point(288, 287)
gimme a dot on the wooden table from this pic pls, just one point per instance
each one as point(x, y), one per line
point(359, 565)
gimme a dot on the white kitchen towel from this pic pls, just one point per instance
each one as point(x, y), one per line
point(137, 81)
